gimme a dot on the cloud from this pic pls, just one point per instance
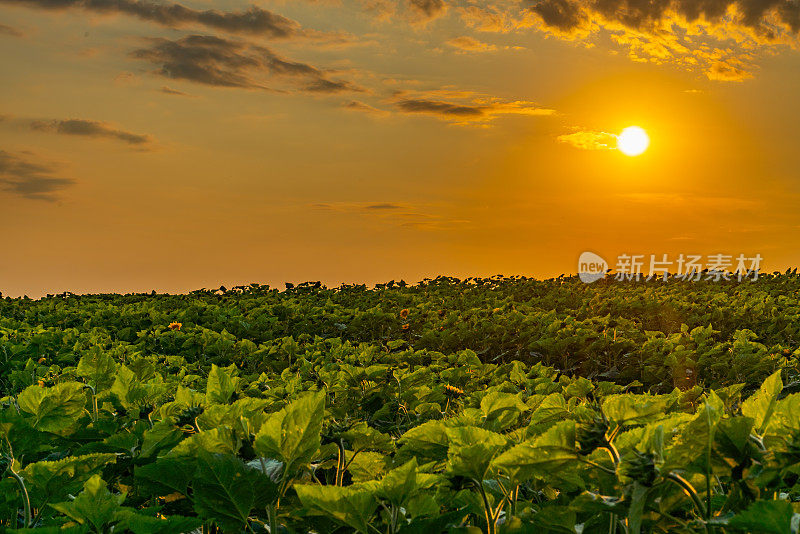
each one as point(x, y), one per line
point(219, 62)
point(383, 206)
point(487, 18)
point(8, 30)
point(170, 91)
point(364, 207)
point(463, 107)
point(590, 140)
point(394, 213)
point(356, 105)
point(470, 44)
point(89, 128)
point(255, 20)
point(682, 32)
point(426, 10)
point(22, 176)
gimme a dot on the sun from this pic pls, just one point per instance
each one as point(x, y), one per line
point(632, 141)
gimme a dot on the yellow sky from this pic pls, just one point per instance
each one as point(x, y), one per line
point(366, 140)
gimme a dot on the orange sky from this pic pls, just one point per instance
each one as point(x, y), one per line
point(146, 147)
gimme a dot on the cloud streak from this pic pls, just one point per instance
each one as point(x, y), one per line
point(219, 62)
point(464, 107)
point(590, 140)
point(21, 175)
point(8, 30)
point(90, 128)
point(254, 21)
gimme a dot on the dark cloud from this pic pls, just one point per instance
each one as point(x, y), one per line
point(171, 91)
point(219, 62)
point(383, 206)
point(8, 30)
point(464, 107)
point(427, 9)
point(438, 107)
point(680, 31)
point(251, 21)
point(21, 175)
point(90, 128)
point(357, 105)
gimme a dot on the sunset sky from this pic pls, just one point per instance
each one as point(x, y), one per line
point(173, 146)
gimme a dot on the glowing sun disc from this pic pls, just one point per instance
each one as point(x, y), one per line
point(632, 141)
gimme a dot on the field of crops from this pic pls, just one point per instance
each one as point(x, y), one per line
point(502, 405)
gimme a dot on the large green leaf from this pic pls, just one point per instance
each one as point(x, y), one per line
point(363, 437)
point(635, 409)
point(761, 404)
point(693, 449)
point(548, 455)
point(221, 385)
point(95, 505)
point(501, 410)
point(352, 506)
point(139, 523)
point(49, 481)
point(55, 409)
point(764, 517)
point(399, 484)
point(226, 491)
point(428, 440)
point(98, 367)
point(292, 435)
point(166, 475)
point(471, 450)
point(162, 437)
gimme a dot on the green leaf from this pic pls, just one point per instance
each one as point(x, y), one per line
point(226, 490)
point(363, 437)
point(548, 455)
point(693, 450)
point(166, 475)
point(501, 410)
point(55, 409)
point(764, 517)
point(471, 451)
point(761, 404)
point(292, 435)
point(49, 481)
point(145, 524)
point(628, 408)
point(221, 386)
point(95, 505)
point(399, 484)
point(99, 367)
point(352, 506)
point(428, 440)
point(163, 436)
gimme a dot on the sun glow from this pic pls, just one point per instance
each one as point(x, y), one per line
point(632, 141)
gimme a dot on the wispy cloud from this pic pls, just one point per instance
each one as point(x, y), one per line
point(590, 140)
point(470, 44)
point(170, 91)
point(90, 128)
point(357, 105)
point(23, 175)
point(220, 62)
point(463, 107)
point(8, 30)
point(254, 20)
